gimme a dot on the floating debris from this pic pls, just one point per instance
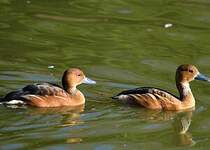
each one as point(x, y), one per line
point(51, 67)
point(168, 25)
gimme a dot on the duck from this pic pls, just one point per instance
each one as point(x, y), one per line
point(156, 98)
point(49, 94)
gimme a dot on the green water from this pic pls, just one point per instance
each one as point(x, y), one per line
point(121, 44)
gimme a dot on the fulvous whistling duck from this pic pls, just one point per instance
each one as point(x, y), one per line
point(51, 95)
point(155, 98)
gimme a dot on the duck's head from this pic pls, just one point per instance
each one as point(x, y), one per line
point(187, 73)
point(73, 77)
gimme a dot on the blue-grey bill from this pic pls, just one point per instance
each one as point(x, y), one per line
point(202, 77)
point(88, 81)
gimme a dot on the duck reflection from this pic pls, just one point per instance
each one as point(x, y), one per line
point(181, 125)
point(61, 117)
point(70, 118)
point(181, 122)
point(59, 110)
point(70, 115)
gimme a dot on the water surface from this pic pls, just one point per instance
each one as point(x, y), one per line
point(121, 44)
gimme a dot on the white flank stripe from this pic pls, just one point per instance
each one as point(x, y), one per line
point(122, 97)
point(14, 102)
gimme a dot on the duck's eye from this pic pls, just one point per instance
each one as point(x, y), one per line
point(182, 69)
point(191, 71)
point(79, 75)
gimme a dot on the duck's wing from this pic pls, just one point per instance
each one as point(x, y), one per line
point(149, 97)
point(35, 91)
point(44, 89)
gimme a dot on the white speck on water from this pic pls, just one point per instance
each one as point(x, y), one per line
point(51, 67)
point(124, 11)
point(168, 25)
point(28, 2)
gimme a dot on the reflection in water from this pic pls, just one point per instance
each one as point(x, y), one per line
point(71, 117)
point(183, 121)
point(73, 140)
point(72, 120)
point(120, 41)
point(181, 124)
point(62, 110)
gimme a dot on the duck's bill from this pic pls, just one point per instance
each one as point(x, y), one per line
point(88, 81)
point(202, 77)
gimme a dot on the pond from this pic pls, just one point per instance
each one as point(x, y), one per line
point(121, 44)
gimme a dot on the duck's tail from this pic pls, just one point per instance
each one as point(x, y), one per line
point(120, 97)
point(10, 102)
point(115, 97)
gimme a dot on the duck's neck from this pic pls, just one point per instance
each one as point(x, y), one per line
point(68, 86)
point(72, 90)
point(186, 95)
